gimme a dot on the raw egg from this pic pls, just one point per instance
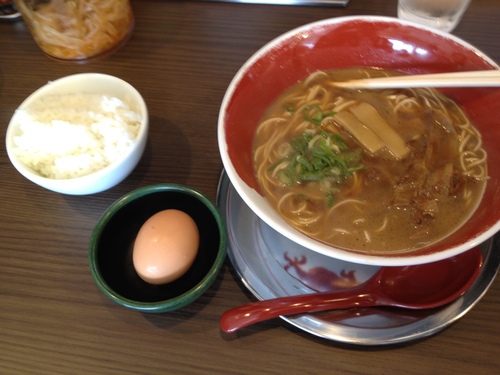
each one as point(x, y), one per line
point(165, 246)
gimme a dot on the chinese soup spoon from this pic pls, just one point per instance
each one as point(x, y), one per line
point(422, 286)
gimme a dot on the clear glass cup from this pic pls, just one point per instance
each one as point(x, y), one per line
point(439, 14)
point(78, 30)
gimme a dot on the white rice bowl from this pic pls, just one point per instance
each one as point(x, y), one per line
point(80, 134)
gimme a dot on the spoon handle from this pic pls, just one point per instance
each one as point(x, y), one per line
point(255, 312)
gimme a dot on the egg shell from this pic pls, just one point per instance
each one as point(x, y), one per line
point(165, 247)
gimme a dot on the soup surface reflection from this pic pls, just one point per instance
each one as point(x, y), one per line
point(369, 170)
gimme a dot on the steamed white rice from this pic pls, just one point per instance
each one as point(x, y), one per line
point(68, 136)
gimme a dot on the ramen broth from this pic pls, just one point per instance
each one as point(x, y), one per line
point(369, 170)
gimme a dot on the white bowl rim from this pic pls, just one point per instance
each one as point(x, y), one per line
point(272, 219)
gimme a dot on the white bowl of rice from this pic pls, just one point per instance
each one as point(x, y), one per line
point(80, 134)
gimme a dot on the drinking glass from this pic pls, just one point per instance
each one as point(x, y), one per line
point(440, 14)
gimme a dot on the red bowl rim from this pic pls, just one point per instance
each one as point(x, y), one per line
point(249, 191)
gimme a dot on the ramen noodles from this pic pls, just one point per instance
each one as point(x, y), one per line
point(369, 170)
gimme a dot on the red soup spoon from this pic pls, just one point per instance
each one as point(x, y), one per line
point(422, 286)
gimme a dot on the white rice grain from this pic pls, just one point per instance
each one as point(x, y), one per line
point(68, 136)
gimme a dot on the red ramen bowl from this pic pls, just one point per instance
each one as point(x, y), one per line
point(347, 42)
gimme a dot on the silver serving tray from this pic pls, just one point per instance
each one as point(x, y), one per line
point(266, 278)
point(341, 3)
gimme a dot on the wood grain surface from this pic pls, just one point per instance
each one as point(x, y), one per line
point(181, 57)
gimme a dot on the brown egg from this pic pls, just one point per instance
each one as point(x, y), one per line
point(165, 246)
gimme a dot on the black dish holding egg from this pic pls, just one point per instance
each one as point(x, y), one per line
point(112, 241)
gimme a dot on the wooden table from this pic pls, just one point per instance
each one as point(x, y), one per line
point(181, 57)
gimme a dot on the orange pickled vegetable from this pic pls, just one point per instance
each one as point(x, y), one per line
point(77, 29)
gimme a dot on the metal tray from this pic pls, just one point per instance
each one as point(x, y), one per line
point(265, 278)
point(341, 3)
